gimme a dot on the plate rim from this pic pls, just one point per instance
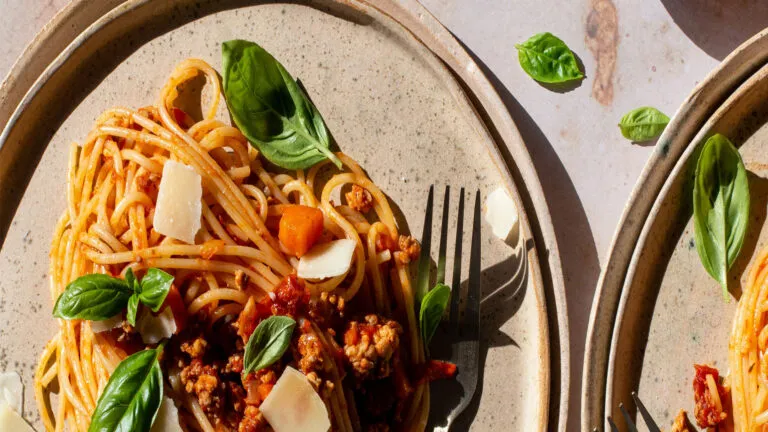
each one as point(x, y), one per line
point(496, 123)
point(704, 101)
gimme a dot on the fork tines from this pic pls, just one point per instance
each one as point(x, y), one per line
point(463, 334)
point(652, 426)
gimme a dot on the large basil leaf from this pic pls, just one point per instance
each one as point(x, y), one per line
point(720, 207)
point(92, 297)
point(643, 124)
point(271, 109)
point(267, 343)
point(130, 401)
point(548, 59)
point(431, 311)
point(154, 288)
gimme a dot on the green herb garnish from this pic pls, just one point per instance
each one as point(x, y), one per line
point(548, 59)
point(720, 207)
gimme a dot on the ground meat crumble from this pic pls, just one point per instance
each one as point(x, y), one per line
point(409, 249)
point(359, 199)
point(369, 346)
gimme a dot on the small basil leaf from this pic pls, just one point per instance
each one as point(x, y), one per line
point(271, 109)
point(154, 287)
point(130, 278)
point(720, 207)
point(431, 311)
point(92, 297)
point(267, 343)
point(548, 59)
point(643, 124)
point(132, 396)
point(133, 309)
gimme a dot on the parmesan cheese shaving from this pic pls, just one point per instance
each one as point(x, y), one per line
point(167, 419)
point(327, 260)
point(10, 420)
point(12, 391)
point(501, 215)
point(153, 328)
point(293, 405)
point(179, 202)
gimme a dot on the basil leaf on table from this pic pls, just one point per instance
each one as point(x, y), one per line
point(720, 207)
point(431, 311)
point(270, 108)
point(154, 288)
point(548, 59)
point(267, 343)
point(94, 297)
point(132, 396)
point(643, 124)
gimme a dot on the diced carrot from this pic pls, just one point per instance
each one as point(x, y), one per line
point(300, 227)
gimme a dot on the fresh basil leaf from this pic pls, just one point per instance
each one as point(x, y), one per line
point(548, 59)
point(133, 309)
point(130, 278)
point(132, 396)
point(267, 343)
point(643, 124)
point(720, 207)
point(92, 297)
point(271, 109)
point(431, 312)
point(154, 287)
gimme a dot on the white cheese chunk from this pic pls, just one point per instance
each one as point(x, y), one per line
point(10, 420)
point(501, 215)
point(107, 324)
point(153, 328)
point(12, 391)
point(327, 260)
point(293, 405)
point(167, 419)
point(179, 202)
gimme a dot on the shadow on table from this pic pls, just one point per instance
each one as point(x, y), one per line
point(578, 252)
point(718, 26)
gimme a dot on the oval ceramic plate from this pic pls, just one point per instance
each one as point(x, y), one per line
point(379, 77)
point(667, 313)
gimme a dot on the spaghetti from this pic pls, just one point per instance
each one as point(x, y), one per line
point(236, 272)
point(747, 347)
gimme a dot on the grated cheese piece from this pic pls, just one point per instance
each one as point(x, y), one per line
point(179, 202)
point(501, 215)
point(327, 260)
point(293, 405)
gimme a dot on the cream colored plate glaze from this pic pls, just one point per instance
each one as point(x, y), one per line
point(672, 314)
point(390, 103)
point(649, 208)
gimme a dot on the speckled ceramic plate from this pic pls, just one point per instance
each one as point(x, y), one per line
point(399, 94)
point(656, 304)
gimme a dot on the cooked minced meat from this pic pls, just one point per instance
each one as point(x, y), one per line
point(369, 346)
point(253, 420)
point(204, 382)
point(709, 405)
point(409, 249)
point(195, 348)
point(311, 351)
point(359, 199)
point(682, 424)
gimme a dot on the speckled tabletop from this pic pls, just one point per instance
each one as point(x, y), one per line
point(634, 52)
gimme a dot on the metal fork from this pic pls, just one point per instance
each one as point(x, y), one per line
point(652, 426)
point(462, 335)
